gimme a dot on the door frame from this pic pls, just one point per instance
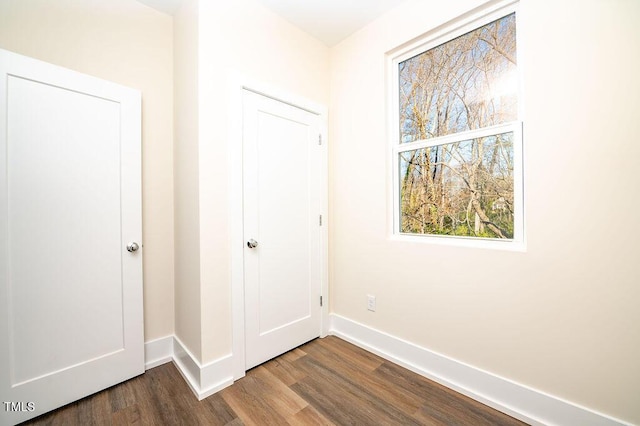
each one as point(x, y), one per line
point(238, 84)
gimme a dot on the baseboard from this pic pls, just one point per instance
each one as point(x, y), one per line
point(519, 401)
point(204, 380)
point(158, 352)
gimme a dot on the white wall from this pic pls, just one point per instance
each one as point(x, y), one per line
point(563, 316)
point(187, 237)
point(131, 44)
point(233, 39)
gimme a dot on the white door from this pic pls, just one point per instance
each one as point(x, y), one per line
point(70, 292)
point(282, 257)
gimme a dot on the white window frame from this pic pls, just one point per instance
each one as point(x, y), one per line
point(441, 35)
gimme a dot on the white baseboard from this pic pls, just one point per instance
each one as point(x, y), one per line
point(158, 352)
point(516, 400)
point(204, 380)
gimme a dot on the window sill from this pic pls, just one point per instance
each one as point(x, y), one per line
point(468, 242)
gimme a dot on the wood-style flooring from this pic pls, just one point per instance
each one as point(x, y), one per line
point(324, 382)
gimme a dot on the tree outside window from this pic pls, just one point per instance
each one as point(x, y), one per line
point(457, 125)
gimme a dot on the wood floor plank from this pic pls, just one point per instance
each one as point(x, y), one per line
point(309, 416)
point(285, 370)
point(293, 355)
point(96, 410)
point(441, 404)
point(327, 382)
point(122, 397)
point(217, 412)
point(245, 397)
point(348, 352)
point(154, 400)
point(364, 378)
point(129, 415)
point(342, 402)
point(277, 394)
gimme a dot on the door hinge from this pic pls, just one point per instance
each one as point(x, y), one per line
point(320, 220)
point(320, 301)
point(319, 139)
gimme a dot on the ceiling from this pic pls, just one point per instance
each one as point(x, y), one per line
point(330, 21)
point(166, 6)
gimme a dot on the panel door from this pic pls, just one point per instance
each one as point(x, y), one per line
point(281, 168)
point(70, 202)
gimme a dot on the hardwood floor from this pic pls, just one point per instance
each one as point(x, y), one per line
point(324, 382)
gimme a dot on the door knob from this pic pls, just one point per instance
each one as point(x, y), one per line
point(131, 247)
point(252, 243)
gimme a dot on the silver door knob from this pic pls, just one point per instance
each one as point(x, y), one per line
point(131, 247)
point(252, 243)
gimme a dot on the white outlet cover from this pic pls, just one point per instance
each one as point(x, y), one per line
point(371, 303)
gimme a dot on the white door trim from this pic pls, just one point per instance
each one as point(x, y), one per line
point(237, 86)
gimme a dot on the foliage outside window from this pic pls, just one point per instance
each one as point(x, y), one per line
point(457, 154)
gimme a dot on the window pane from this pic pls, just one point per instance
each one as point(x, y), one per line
point(463, 188)
point(467, 83)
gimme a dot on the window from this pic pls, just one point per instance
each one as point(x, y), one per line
point(457, 148)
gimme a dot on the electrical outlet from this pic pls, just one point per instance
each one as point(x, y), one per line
point(371, 303)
